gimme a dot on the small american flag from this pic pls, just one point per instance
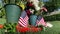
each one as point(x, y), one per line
point(43, 8)
point(23, 20)
point(40, 21)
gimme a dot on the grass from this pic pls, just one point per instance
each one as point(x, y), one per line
point(54, 30)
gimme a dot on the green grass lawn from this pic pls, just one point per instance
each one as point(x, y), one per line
point(54, 30)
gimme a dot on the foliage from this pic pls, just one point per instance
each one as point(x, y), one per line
point(52, 18)
point(2, 13)
point(10, 27)
point(51, 5)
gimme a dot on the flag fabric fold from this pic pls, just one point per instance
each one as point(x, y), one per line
point(43, 8)
point(23, 20)
point(40, 21)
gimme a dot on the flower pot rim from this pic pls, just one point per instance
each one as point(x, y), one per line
point(13, 4)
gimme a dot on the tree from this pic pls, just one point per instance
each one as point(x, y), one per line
point(52, 5)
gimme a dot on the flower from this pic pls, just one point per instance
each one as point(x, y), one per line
point(17, 27)
point(22, 5)
point(29, 4)
point(28, 12)
point(34, 29)
point(40, 28)
point(1, 26)
point(22, 29)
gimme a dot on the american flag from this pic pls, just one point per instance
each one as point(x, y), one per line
point(40, 21)
point(23, 20)
point(43, 8)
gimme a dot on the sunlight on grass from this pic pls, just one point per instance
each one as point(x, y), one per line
point(2, 20)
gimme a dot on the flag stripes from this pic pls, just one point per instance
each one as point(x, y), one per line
point(23, 20)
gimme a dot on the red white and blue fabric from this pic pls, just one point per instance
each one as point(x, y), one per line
point(23, 20)
point(43, 8)
point(40, 21)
